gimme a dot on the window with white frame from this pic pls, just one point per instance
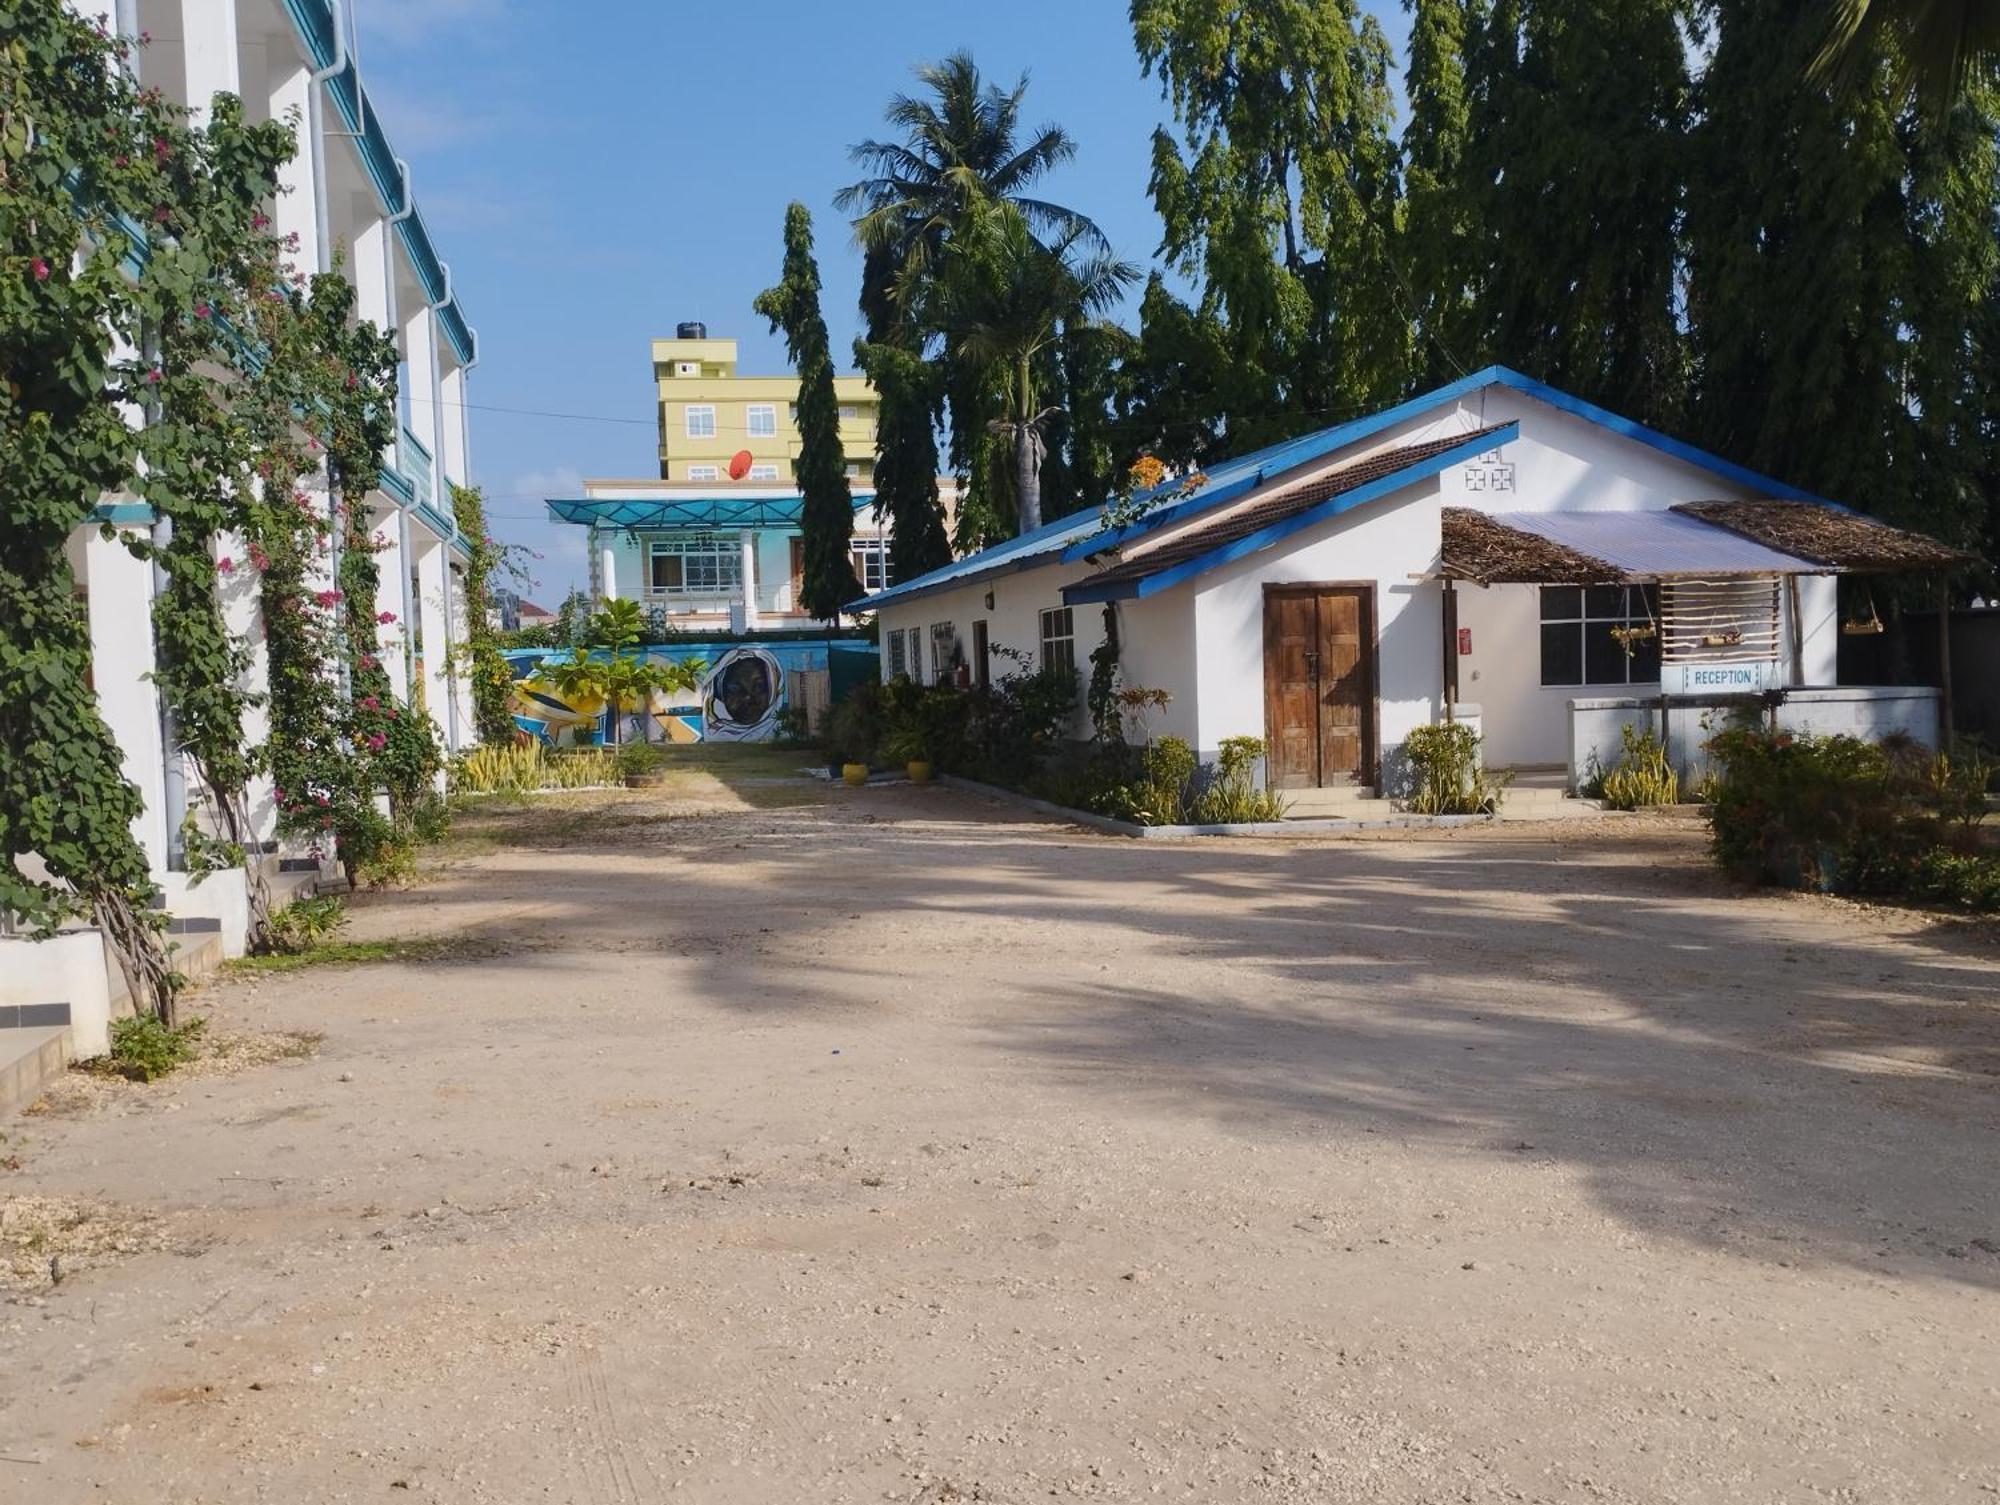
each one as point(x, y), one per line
point(1600, 635)
point(704, 473)
point(695, 564)
point(1059, 638)
point(944, 652)
point(699, 420)
point(871, 564)
point(760, 420)
point(849, 414)
point(763, 472)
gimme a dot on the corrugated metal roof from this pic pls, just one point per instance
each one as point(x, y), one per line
point(1657, 545)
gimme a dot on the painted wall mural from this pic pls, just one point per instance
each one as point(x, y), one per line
point(744, 689)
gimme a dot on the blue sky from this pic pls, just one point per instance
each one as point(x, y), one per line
point(597, 170)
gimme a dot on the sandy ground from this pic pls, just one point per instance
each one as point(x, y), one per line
point(882, 1146)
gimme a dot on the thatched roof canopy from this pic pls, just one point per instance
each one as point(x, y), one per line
point(1478, 548)
point(1826, 535)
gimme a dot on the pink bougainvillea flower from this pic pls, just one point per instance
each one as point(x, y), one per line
point(385, 617)
point(369, 661)
point(371, 703)
point(376, 742)
point(153, 376)
point(226, 565)
point(160, 215)
point(319, 799)
point(259, 221)
point(161, 151)
point(327, 598)
point(390, 712)
point(202, 310)
point(40, 268)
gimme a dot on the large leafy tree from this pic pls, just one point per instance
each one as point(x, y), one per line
point(1437, 210)
point(1841, 277)
point(1576, 155)
point(827, 517)
point(1279, 201)
point(1009, 306)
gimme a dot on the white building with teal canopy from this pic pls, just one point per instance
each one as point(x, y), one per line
point(713, 557)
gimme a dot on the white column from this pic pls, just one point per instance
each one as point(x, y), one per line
point(369, 267)
point(468, 727)
point(209, 32)
point(451, 425)
point(748, 540)
point(120, 602)
point(391, 589)
point(607, 566)
point(294, 211)
point(431, 584)
point(420, 346)
point(243, 615)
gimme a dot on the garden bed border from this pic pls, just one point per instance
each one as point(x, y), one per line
point(1114, 827)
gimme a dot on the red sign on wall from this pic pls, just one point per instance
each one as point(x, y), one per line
point(1464, 640)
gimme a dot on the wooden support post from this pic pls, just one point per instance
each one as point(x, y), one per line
point(1945, 728)
point(1798, 632)
point(1450, 622)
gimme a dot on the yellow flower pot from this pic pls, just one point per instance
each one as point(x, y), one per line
point(854, 775)
point(920, 770)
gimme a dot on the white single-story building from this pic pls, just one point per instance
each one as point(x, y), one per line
point(1494, 550)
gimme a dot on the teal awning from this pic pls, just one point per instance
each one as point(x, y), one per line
point(701, 513)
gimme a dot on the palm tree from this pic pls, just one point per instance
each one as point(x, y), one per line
point(1941, 44)
point(1010, 297)
point(961, 150)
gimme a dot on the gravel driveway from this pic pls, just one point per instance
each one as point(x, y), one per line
point(828, 1146)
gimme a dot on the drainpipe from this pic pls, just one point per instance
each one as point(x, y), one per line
point(127, 22)
point(317, 126)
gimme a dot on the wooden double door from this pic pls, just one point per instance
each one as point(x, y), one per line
point(1319, 684)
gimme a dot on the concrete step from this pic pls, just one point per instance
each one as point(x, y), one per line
point(29, 1060)
point(1342, 802)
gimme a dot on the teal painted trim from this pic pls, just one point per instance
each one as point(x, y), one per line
point(397, 485)
point(123, 514)
point(1127, 590)
point(697, 513)
point(436, 521)
point(314, 22)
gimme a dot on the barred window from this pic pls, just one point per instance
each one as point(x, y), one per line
point(1059, 638)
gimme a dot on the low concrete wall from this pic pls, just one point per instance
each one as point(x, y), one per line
point(221, 896)
point(73, 968)
point(1870, 712)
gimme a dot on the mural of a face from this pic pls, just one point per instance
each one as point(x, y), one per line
point(742, 696)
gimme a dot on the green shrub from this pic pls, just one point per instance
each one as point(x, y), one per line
point(304, 924)
point(855, 727)
point(1642, 776)
point(1229, 798)
point(143, 1048)
point(1446, 774)
point(794, 727)
point(637, 759)
point(1837, 814)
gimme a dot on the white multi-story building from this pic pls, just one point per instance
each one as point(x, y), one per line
point(352, 204)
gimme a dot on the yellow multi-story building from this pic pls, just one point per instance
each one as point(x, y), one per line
point(709, 414)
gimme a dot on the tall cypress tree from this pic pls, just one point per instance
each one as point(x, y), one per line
point(827, 514)
point(906, 456)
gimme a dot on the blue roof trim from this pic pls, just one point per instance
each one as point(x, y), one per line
point(397, 485)
point(1225, 478)
point(1084, 593)
point(1008, 558)
point(314, 22)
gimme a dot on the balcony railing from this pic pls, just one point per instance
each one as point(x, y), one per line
point(415, 462)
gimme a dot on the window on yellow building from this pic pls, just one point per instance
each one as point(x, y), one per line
point(700, 420)
point(761, 420)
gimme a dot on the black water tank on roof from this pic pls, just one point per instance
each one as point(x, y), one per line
point(692, 330)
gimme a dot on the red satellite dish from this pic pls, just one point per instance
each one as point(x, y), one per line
point(739, 465)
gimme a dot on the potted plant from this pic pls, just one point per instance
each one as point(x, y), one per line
point(853, 730)
point(910, 747)
point(639, 765)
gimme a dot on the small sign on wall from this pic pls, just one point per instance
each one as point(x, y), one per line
point(1464, 641)
point(1746, 678)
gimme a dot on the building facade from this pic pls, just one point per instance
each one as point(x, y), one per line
point(709, 414)
point(1496, 552)
point(347, 201)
